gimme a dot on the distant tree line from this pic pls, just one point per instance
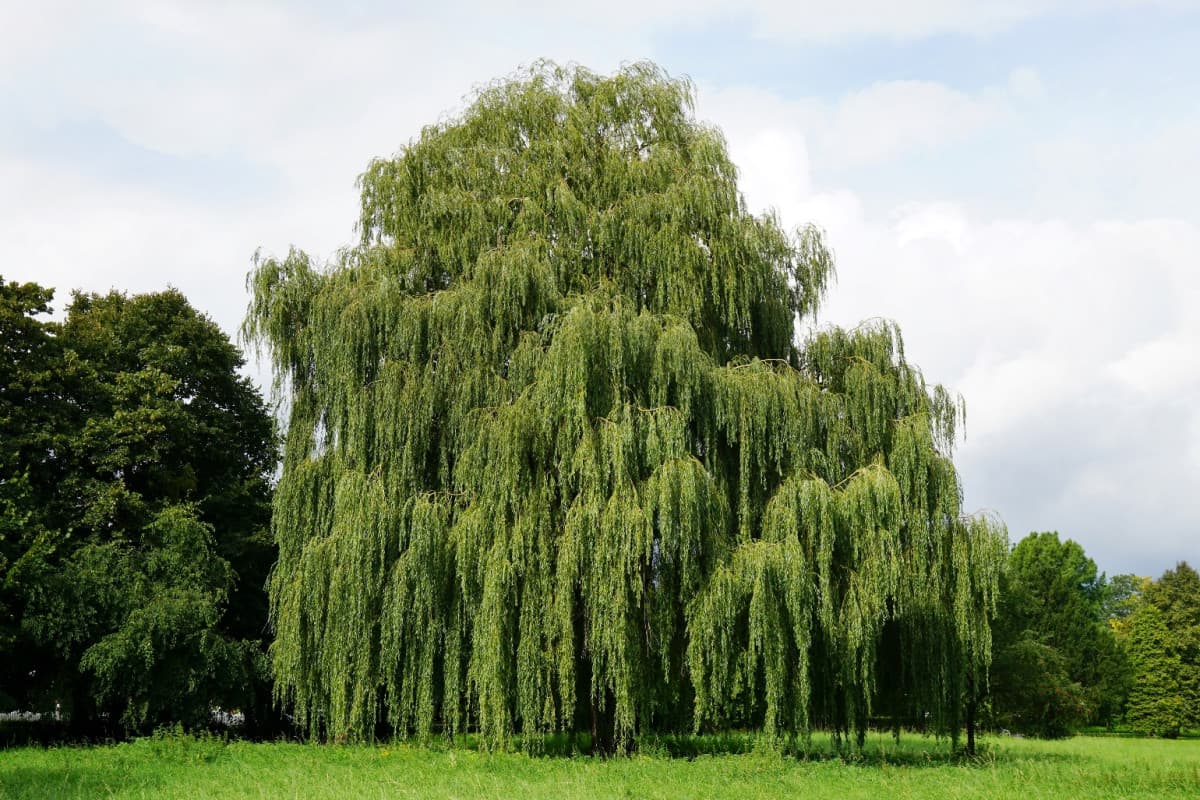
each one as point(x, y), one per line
point(1074, 648)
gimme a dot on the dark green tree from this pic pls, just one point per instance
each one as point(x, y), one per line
point(1157, 701)
point(30, 402)
point(1053, 597)
point(137, 555)
point(1032, 692)
point(556, 460)
point(1177, 596)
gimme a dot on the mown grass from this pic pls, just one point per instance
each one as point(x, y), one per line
point(183, 767)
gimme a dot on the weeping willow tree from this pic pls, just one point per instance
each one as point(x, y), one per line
point(556, 459)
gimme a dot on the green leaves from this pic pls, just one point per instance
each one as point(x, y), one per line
point(1053, 596)
point(1163, 639)
point(556, 460)
point(134, 482)
point(1158, 699)
point(163, 644)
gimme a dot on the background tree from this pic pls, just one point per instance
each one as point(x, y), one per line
point(1032, 692)
point(1158, 703)
point(1052, 636)
point(30, 402)
point(137, 555)
point(555, 459)
point(1177, 596)
point(1122, 596)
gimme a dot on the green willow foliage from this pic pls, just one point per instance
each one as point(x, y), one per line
point(556, 461)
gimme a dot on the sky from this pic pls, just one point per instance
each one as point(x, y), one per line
point(1014, 182)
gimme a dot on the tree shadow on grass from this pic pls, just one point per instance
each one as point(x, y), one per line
point(912, 750)
point(881, 749)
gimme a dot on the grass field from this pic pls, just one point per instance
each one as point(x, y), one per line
point(1084, 768)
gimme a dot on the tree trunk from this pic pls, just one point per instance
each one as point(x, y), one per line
point(604, 740)
point(971, 721)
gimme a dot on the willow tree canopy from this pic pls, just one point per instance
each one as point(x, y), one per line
point(556, 459)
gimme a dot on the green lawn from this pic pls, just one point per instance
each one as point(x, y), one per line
point(1084, 768)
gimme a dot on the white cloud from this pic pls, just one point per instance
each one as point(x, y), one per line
point(939, 222)
point(872, 125)
point(1094, 170)
point(31, 29)
point(69, 232)
point(1161, 367)
point(888, 118)
point(1024, 83)
point(815, 21)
